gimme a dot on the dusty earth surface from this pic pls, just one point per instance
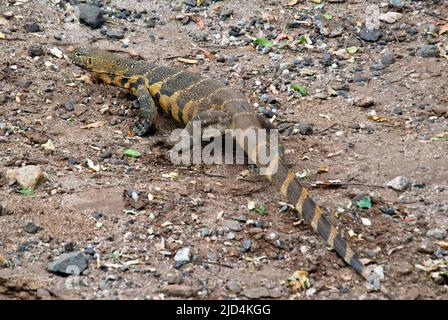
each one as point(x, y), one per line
point(374, 110)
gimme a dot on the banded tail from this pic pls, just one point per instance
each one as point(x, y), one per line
point(287, 184)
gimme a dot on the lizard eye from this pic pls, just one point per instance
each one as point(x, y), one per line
point(78, 54)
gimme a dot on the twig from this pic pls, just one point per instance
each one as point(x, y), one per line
point(436, 16)
point(326, 129)
point(211, 262)
point(403, 76)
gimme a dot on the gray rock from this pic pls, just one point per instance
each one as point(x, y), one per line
point(284, 66)
point(426, 246)
point(364, 102)
point(178, 290)
point(396, 3)
point(32, 228)
point(256, 293)
point(305, 129)
point(327, 60)
point(205, 232)
point(245, 247)
point(330, 28)
point(352, 41)
point(233, 286)
point(400, 183)
point(69, 105)
point(115, 34)
point(429, 51)
point(405, 268)
point(32, 26)
point(232, 225)
point(370, 35)
point(69, 264)
point(387, 211)
point(436, 233)
point(35, 50)
point(183, 255)
point(90, 15)
point(388, 59)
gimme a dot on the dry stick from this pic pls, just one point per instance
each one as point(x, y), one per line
point(326, 129)
point(211, 262)
point(436, 16)
point(403, 76)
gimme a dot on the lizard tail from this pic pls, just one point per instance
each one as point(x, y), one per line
point(298, 195)
point(287, 184)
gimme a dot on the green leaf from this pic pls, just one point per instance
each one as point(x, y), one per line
point(301, 89)
point(261, 210)
point(328, 16)
point(352, 50)
point(26, 191)
point(116, 255)
point(302, 40)
point(263, 42)
point(131, 153)
point(364, 203)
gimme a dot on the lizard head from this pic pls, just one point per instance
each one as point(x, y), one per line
point(92, 59)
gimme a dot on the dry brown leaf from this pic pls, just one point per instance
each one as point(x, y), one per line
point(273, 89)
point(97, 124)
point(299, 281)
point(442, 244)
point(283, 36)
point(323, 169)
point(443, 29)
point(293, 3)
point(188, 61)
point(377, 118)
point(199, 21)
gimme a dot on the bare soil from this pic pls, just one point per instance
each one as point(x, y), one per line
point(134, 252)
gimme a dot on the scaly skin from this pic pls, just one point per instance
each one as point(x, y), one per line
point(186, 97)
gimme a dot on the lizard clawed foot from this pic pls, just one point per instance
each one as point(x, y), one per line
point(144, 128)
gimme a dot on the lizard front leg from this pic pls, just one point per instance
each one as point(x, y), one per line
point(147, 113)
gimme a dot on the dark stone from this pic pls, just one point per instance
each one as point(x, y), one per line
point(370, 35)
point(151, 24)
point(91, 16)
point(327, 60)
point(32, 26)
point(245, 247)
point(225, 14)
point(69, 105)
point(305, 129)
point(35, 50)
point(70, 247)
point(221, 59)
point(387, 211)
point(69, 264)
point(388, 59)
point(115, 34)
point(429, 51)
point(235, 31)
point(31, 228)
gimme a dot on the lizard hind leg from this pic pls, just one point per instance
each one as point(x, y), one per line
point(205, 126)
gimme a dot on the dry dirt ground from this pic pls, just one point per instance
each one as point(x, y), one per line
point(131, 251)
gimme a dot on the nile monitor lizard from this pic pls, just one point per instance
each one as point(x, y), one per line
point(187, 97)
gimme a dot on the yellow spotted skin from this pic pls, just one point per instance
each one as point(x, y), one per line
point(185, 96)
